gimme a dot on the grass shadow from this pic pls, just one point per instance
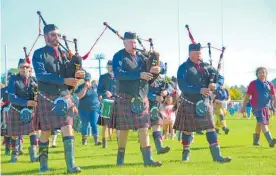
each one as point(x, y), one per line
point(185, 162)
point(105, 166)
point(256, 157)
point(8, 162)
point(28, 172)
point(173, 161)
point(207, 147)
point(199, 148)
point(115, 154)
point(55, 152)
point(233, 146)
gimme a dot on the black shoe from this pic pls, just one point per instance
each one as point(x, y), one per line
point(226, 131)
point(272, 143)
point(216, 155)
point(164, 150)
point(98, 143)
point(154, 164)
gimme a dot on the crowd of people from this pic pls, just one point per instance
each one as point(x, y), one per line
point(128, 97)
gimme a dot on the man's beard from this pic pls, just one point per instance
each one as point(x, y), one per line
point(54, 42)
point(26, 74)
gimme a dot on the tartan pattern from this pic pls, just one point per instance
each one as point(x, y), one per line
point(262, 115)
point(187, 120)
point(47, 118)
point(16, 127)
point(123, 118)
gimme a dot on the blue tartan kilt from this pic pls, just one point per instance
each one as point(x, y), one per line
point(262, 115)
point(16, 127)
point(47, 118)
point(123, 118)
point(187, 120)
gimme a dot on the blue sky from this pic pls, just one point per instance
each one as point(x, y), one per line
point(248, 29)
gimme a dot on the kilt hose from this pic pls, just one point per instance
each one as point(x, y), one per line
point(47, 118)
point(16, 127)
point(123, 118)
point(187, 120)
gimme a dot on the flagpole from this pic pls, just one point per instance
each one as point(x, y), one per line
point(6, 65)
point(222, 33)
point(178, 32)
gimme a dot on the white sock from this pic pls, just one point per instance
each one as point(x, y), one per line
point(54, 140)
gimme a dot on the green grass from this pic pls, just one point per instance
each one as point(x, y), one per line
point(95, 160)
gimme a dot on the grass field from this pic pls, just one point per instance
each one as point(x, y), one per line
point(96, 160)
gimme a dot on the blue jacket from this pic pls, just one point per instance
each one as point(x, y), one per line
point(50, 72)
point(90, 100)
point(19, 93)
point(106, 83)
point(191, 80)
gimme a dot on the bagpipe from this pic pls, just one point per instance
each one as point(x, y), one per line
point(25, 114)
point(150, 58)
point(34, 86)
point(214, 71)
point(61, 105)
point(203, 106)
point(73, 61)
point(155, 110)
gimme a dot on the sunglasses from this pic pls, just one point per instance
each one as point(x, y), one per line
point(23, 67)
point(55, 34)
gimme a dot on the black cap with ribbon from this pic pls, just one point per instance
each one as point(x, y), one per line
point(22, 61)
point(49, 27)
point(130, 35)
point(109, 63)
point(193, 46)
